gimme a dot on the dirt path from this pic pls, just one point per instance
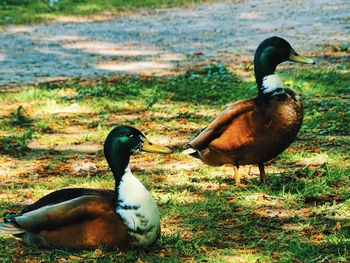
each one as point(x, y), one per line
point(163, 41)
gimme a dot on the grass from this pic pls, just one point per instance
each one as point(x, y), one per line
point(302, 215)
point(34, 11)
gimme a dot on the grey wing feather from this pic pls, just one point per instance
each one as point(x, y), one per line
point(64, 213)
point(11, 228)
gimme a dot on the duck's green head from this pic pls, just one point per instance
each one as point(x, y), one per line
point(271, 52)
point(123, 141)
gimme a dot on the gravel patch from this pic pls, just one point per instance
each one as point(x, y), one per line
point(163, 41)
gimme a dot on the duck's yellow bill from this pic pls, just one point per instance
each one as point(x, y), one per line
point(294, 57)
point(154, 148)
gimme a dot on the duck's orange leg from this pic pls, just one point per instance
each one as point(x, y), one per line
point(262, 173)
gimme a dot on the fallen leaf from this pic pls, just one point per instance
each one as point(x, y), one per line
point(337, 227)
point(317, 237)
point(28, 194)
point(232, 200)
point(98, 252)
point(233, 237)
point(203, 249)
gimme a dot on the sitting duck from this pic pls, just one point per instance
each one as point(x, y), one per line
point(254, 131)
point(84, 218)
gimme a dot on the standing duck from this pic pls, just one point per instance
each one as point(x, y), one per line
point(82, 218)
point(254, 131)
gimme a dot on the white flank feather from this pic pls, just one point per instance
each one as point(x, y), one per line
point(271, 82)
point(189, 151)
point(138, 209)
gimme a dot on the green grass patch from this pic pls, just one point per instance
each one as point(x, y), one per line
point(33, 11)
point(301, 215)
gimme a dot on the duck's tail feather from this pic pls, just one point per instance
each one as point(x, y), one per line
point(11, 228)
point(190, 151)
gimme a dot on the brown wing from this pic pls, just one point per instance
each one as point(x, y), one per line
point(65, 195)
point(65, 213)
point(219, 125)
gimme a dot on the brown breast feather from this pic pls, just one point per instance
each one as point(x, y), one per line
point(219, 125)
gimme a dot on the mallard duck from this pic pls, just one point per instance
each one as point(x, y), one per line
point(253, 131)
point(83, 218)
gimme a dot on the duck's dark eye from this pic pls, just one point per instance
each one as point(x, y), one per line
point(129, 134)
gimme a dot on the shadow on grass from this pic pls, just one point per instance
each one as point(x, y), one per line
point(217, 225)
